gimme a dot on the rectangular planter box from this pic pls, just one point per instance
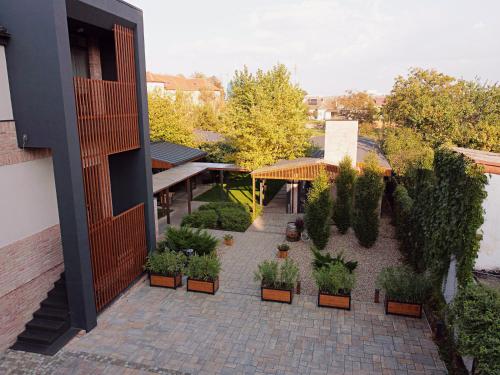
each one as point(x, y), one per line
point(413, 310)
point(202, 286)
point(172, 282)
point(337, 301)
point(276, 295)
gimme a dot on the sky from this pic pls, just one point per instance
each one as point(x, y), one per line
point(329, 46)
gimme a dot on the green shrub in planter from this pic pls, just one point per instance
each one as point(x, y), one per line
point(166, 263)
point(475, 313)
point(334, 279)
point(267, 273)
point(206, 267)
point(234, 219)
point(325, 260)
point(342, 207)
point(273, 275)
point(179, 239)
point(403, 285)
point(201, 219)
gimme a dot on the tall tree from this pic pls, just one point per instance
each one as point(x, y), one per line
point(344, 183)
point(265, 117)
point(357, 106)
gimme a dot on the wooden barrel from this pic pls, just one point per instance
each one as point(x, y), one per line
point(292, 234)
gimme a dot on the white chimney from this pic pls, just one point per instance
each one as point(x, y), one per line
point(341, 139)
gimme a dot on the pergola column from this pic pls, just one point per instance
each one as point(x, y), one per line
point(253, 198)
point(189, 194)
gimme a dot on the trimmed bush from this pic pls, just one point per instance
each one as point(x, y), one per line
point(234, 219)
point(403, 285)
point(206, 267)
point(180, 239)
point(217, 206)
point(367, 193)
point(342, 207)
point(318, 211)
point(201, 219)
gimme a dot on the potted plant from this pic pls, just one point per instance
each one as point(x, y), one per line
point(283, 250)
point(277, 282)
point(299, 224)
point(228, 240)
point(335, 283)
point(405, 291)
point(203, 274)
point(165, 268)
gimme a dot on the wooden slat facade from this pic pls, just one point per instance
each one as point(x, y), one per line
point(107, 117)
point(301, 173)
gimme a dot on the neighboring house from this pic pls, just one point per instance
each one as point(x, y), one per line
point(75, 169)
point(198, 89)
point(489, 253)
point(321, 108)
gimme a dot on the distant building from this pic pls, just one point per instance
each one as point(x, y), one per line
point(198, 89)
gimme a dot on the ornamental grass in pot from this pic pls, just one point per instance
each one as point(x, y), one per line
point(335, 282)
point(203, 274)
point(405, 291)
point(277, 281)
point(165, 268)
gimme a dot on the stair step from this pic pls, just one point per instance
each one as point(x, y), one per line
point(51, 313)
point(56, 303)
point(39, 337)
point(58, 293)
point(47, 325)
point(60, 284)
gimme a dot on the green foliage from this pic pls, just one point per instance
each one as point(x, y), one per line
point(265, 111)
point(358, 106)
point(325, 260)
point(368, 190)
point(475, 314)
point(201, 219)
point(403, 285)
point(273, 275)
point(218, 206)
point(179, 239)
point(334, 279)
point(342, 207)
point(206, 267)
point(406, 152)
point(234, 219)
point(403, 205)
point(218, 152)
point(318, 211)
point(166, 263)
point(228, 237)
point(283, 247)
point(444, 109)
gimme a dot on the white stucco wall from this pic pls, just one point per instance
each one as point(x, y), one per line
point(5, 103)
point(489, 252)
point(341, 139)
point(27, 199)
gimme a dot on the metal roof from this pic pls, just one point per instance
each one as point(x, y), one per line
point(489, 160)
point(174, 154)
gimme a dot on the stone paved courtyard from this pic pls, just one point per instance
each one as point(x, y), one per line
point(162, 331)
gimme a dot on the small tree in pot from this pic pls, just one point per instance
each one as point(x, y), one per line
point(203, 274)
point(335, 283)
point(165, 268)
point(277, 282)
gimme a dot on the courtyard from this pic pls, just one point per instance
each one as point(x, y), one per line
point(162, 331)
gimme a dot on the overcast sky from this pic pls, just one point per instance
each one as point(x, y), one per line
point(329, 45)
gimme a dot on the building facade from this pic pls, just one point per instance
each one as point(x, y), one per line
point(74, 158)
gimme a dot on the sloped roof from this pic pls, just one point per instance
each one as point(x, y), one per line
point(174, 154)
point(181, 83)
point(489, 160)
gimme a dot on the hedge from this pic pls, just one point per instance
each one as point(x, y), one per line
point(220, 215)
point(201, 219)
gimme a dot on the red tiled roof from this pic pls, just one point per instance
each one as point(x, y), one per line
point(181, 83)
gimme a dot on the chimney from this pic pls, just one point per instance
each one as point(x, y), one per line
point(341, 139)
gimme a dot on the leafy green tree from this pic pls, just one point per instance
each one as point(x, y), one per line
point(344, 183)
point(318, 211)
point(368, 190)
point(171, 118)
point(357, 106)
point(265, 117)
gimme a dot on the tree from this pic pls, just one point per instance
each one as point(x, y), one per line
point(444, 109)
point(368, 190)
point(342, 208)
point(171, 119)
point(318, 211)
point(357, 106)
point(265, 117)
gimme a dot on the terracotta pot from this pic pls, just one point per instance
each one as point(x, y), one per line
point(276, 295)
point(413, 310)
point(337, 301)
point(172, 282)
point(229, 242)
point(282, 254)
point(202, 286)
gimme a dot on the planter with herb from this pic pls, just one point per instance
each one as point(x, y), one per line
point(405, 291)
point(228, 240)
point(283, 250)
point(335, 283)
point(277, 281)
point(203, 274)
point(165, 269)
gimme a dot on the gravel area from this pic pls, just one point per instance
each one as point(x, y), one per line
point(370, 261)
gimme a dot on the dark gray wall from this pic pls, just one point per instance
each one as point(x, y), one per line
point(40, 76)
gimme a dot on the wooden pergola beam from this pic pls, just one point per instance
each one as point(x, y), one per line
point(253, 199)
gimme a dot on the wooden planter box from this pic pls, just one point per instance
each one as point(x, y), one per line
point(413, 310)
point(283, 254)
point(276, 295)
point(337, 301)
point(172, 282)
point(202, 286)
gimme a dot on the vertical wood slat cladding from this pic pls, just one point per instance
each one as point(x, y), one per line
point(107, 120)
